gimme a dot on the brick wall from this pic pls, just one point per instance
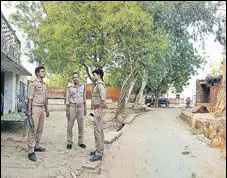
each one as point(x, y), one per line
point(202, 95)
point(198, 91)
point(112, 92)
point(213, 96)
point(207, 96)
point(220, 108)
point(56, 91)
point(176, 100)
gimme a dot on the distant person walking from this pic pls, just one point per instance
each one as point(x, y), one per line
point(188, 102)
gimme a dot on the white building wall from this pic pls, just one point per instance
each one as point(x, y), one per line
point(9, 92)
point(171, 93)
point(14, 92)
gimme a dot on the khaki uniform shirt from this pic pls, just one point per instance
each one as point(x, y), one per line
point(37, 92)
point(75, 95)
point(98, 95)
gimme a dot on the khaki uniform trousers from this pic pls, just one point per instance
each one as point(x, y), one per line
point(98, 131)
point(34, 137)
point(76, 112)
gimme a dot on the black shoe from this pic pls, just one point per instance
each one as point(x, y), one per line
point(32, 157)
point(69, 146)
point(92, 153)
point(40, 149)
point(82, 145)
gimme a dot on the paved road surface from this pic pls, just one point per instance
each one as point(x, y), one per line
point(160, 145)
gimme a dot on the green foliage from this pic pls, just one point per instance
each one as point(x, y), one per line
point(32, 78)
point(98, 34)
point(180, 60)
point(62, 79)
point(114, 78)
point(79, 35)
point(221, 23)
point(122, 37)
point(131, 39)
point(218, 70)
point(28, 17)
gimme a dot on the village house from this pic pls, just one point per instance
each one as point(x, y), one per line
point(13, 74)
point(206, 91)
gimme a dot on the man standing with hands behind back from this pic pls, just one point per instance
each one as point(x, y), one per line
point(75, 108)
point(37, 105)
point(98, 103)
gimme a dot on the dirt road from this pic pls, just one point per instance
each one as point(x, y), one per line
point(57, 161)
point(160, 145)
point(156, 144)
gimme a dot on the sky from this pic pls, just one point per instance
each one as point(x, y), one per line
point(213, 55)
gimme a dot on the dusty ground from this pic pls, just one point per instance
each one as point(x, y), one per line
point(57, 161)
point(156, 144)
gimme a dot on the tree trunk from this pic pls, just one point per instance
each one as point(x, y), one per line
point(125, 89)
point(123, 95)
point(220, 107)
point(139, 98)
point(156, 99)
point(130, 90)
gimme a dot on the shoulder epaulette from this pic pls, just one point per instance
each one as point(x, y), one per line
point(69, 85)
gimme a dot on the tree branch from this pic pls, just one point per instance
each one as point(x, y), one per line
point(87, 70)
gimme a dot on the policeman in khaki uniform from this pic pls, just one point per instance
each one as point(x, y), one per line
point(37, 105)
point(98, 103)
point(75, 109)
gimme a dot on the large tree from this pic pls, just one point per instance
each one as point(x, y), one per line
point(146, 39)
point(133, 42)
point(109, 35)
point(181, 60)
